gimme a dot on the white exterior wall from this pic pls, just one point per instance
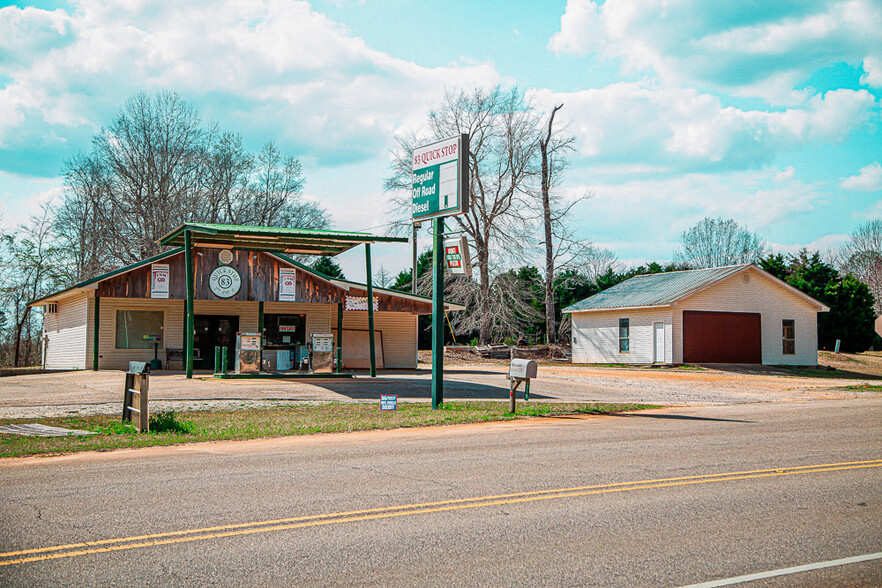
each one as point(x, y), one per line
point(595, 335)
point(66, 331)
point(772, 301)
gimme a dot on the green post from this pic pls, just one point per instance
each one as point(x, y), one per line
point(217, 359)
point(339, 337)
point(188, 312)
point(438, 314)
point(260, 330)
point(95, 328)
point(224, 360)
point(370, 308)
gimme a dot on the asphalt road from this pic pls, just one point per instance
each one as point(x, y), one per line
point(669, 497)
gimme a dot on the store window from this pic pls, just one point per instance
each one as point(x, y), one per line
point(788, 332)
point(624, 335)
point(138, 329)
point(284, 330)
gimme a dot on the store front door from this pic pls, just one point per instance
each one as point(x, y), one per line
point(214, 331)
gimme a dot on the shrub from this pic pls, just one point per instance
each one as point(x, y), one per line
point(167, 421)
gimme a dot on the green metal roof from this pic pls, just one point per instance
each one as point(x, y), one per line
point(656, 289)
point(102, 277)
point(274, 239)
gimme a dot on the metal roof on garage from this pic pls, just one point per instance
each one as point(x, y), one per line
point(666, 288)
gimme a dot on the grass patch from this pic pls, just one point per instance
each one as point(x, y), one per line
point(865, 388)
point(253, 423)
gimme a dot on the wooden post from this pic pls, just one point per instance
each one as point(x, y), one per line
point(188, 312)
point(96, 324)
point(370, 307)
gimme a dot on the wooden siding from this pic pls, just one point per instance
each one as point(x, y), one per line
point(399, 334)
point(111, 358)
point(772, 302)
point(595, 335)
point(66, 331)
point(388, 303)
point(318, 316)
point(259, 273)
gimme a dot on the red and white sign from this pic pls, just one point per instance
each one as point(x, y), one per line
point(456, 256)
point(359, 303)
point(287, 282)
point(159, 278)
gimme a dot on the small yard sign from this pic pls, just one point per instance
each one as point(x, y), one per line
point(388, 402)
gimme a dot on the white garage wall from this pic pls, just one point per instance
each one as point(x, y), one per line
point(772, 301)
point(596, 335)
point(66, 334)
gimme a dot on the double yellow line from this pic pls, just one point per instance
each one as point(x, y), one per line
point(188, 535)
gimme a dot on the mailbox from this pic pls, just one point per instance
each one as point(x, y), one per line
point(522, 369)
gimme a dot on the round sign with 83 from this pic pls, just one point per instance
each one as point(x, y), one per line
point(224, 281)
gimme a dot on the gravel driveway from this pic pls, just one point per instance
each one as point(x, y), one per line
point(86, 392)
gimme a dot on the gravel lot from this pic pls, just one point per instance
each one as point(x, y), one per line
point(86, 392)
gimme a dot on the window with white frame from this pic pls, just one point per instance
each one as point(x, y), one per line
point(624, 335)
point(138, 329)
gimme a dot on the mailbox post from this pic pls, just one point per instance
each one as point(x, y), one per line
point(520, 370)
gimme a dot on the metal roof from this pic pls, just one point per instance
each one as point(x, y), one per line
point(660, 289)
point(274, 239)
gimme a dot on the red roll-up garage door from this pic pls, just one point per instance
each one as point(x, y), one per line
point(721, 337)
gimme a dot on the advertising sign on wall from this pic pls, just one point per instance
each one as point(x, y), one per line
point(224, 281)
point(359, 303)
point(440, 178)
point(287, 283)
point(159, 278)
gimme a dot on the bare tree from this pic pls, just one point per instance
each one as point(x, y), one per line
point(31, 271)
point(552, 146)
point(719, 242)
point(503, 132)
point(862, 257)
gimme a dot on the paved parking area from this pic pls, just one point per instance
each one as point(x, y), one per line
point(86, 392)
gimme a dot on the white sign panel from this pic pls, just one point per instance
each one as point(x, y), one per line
point(440, 178)
point(359, 303)
point(456, 256)
point(159, 277)
point(287, 282)
point(323, 342)
point(224, 281)
point(249, 341)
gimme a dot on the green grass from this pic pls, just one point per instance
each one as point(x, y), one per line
point(281, 421)
point(865, 387)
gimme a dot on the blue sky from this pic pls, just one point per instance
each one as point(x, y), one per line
point(765, 112)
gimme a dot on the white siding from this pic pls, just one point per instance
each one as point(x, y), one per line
point(596, 335)
point(66, 332)
point(773, 302)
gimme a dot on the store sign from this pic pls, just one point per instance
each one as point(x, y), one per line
point(456, 256)
point(159, 278)
point(224, 281)
point(440, 180)
point(359, 303)
point(287, 283)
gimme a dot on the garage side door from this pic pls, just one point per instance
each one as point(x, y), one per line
point(721, 337)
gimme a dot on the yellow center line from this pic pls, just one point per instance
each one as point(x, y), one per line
point(239, 529)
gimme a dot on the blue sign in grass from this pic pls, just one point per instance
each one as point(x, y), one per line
point(388, 402)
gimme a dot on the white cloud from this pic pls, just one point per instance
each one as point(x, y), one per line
point(276, 68)
point(728, 44)
point(673, 129)
point(868, 179)
point(872, 72)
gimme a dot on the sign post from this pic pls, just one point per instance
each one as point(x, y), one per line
point(440, 187)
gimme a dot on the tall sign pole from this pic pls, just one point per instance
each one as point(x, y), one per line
point(440, 188)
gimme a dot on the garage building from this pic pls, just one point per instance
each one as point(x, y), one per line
point(734, 314)
point(243, 280)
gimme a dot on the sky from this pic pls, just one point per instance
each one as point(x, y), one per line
point(768, 113)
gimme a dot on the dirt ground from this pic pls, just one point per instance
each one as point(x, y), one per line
point(467, 377)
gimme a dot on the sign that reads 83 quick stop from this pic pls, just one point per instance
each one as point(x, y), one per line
point(441, 179)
